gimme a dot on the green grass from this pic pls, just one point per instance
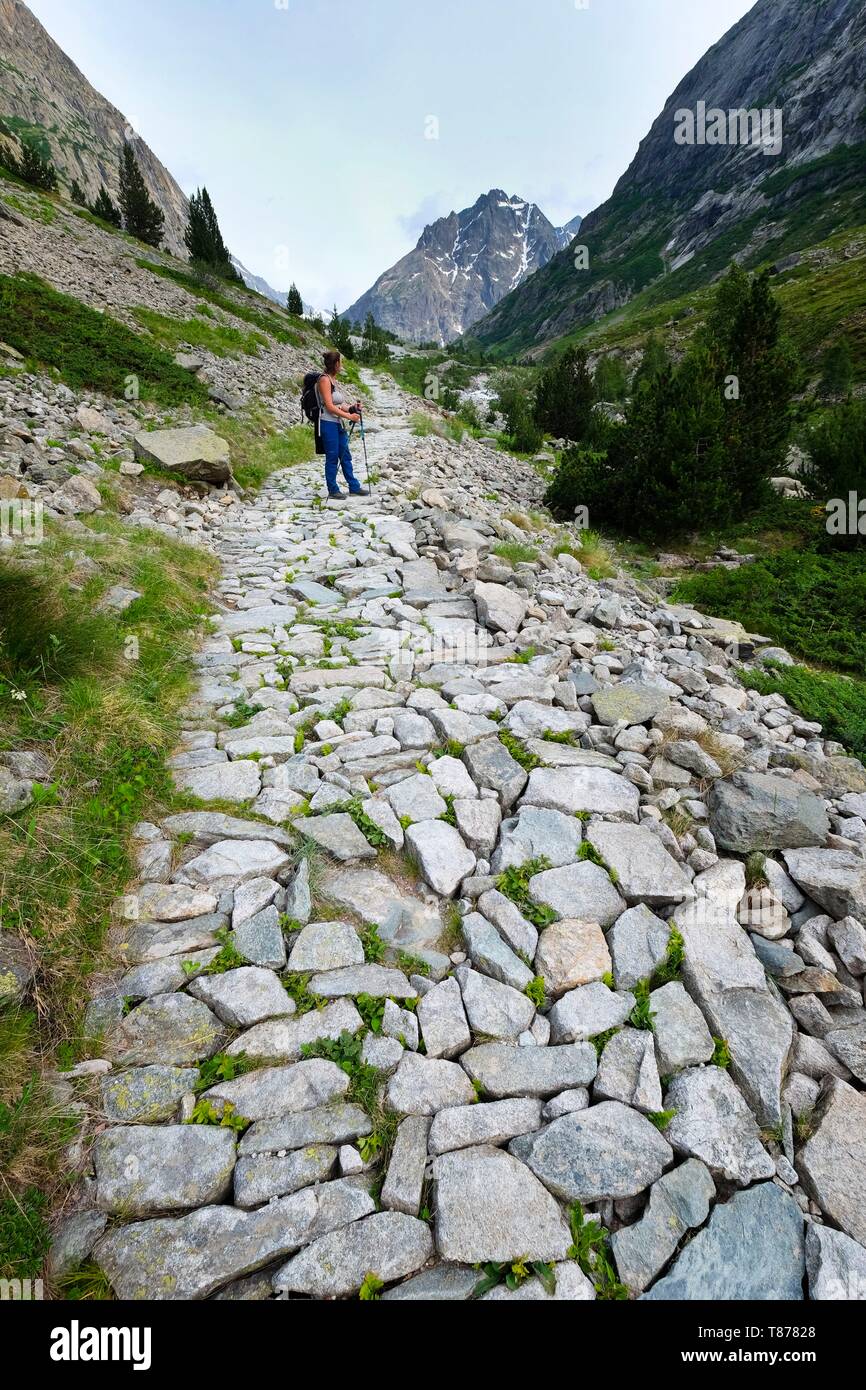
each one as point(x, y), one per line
point(37, 208)
point(86, 349)
point(518, 750)
point(515, 552)
point(105, 716)
point(811, 602)
point(222, 339)
point(836, 702)
point(514, 883)
point(424, 425)
point(270, 319)
point(259, 448)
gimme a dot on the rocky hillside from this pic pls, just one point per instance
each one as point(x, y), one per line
point(681, 211)
point(44, 96)
point(463, 264)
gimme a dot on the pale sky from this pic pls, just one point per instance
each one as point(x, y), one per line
point(308, 120)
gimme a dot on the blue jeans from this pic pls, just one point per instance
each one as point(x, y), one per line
point(337, 455)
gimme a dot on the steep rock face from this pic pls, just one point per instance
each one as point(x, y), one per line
point(682, 210)
point(463, 264)
point(45, 97)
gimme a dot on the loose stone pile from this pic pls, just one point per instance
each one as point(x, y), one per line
point(492, 832)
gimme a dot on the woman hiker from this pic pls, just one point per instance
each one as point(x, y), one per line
point(335, 437)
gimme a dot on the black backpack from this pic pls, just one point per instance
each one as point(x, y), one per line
point(310, 406)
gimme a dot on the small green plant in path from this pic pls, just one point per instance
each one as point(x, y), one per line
point(297, 987)
point(721, 1054)
point(601, 1040)
point(371, 1289)
point(642, 1015)
point(372, 1010)
point(374, 946)
point(518, 750)
point(224, 1066)
point(514, 1273)
point(590, 1247)
point(346, 1051)
point(587, 853)
point(372, 832)
point(660, 1118)
point(536, 992)
point(206, 1113)
point(671, 967)
point(514, 883)
point(227, 958)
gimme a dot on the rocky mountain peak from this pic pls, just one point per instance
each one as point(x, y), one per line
point(462, 265)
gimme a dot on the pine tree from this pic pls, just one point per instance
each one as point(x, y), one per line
point(105, 209)
point(610, 378)
point(142, 217)
point(654, 361)
point(34, 169)
point(203, 238)
point(295, 303)
point(757, 373)
point(77, 194)
point(340, 334)
point(565, 397)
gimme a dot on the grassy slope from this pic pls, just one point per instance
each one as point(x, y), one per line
point(105, 721)
point(820, 302)
point(626, 246)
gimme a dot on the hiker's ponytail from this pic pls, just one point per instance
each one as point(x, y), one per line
point(331, 360)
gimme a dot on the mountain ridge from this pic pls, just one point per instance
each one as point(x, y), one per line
point(680, 212)
point(460, 267)
point(46, 97)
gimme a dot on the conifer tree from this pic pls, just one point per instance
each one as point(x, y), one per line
point(34, 169)
point(203, 238)
point(340, 334)
point(757, 373)
point(295, 303)
point(653, 362)
point(142, 217)
point(77, 194)
point(565, 397)
point(105, 209)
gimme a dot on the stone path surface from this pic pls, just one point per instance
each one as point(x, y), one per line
point(478, 833)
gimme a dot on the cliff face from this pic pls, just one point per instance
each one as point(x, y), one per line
point(681, 211)
point(462, 265)
point(45, 97)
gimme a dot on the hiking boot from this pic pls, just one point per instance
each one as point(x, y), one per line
point(337, 494)
point(360, 492)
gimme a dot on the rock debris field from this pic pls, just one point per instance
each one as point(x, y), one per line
point(524, 956)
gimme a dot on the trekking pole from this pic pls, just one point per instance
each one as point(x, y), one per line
point(364, 442)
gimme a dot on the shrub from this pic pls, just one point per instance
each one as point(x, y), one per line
point(837, 448)
point(32, 167)
point(837, 369)
point(565, 396)
point(836, 702)
point(611, 383)
point(701, 440)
